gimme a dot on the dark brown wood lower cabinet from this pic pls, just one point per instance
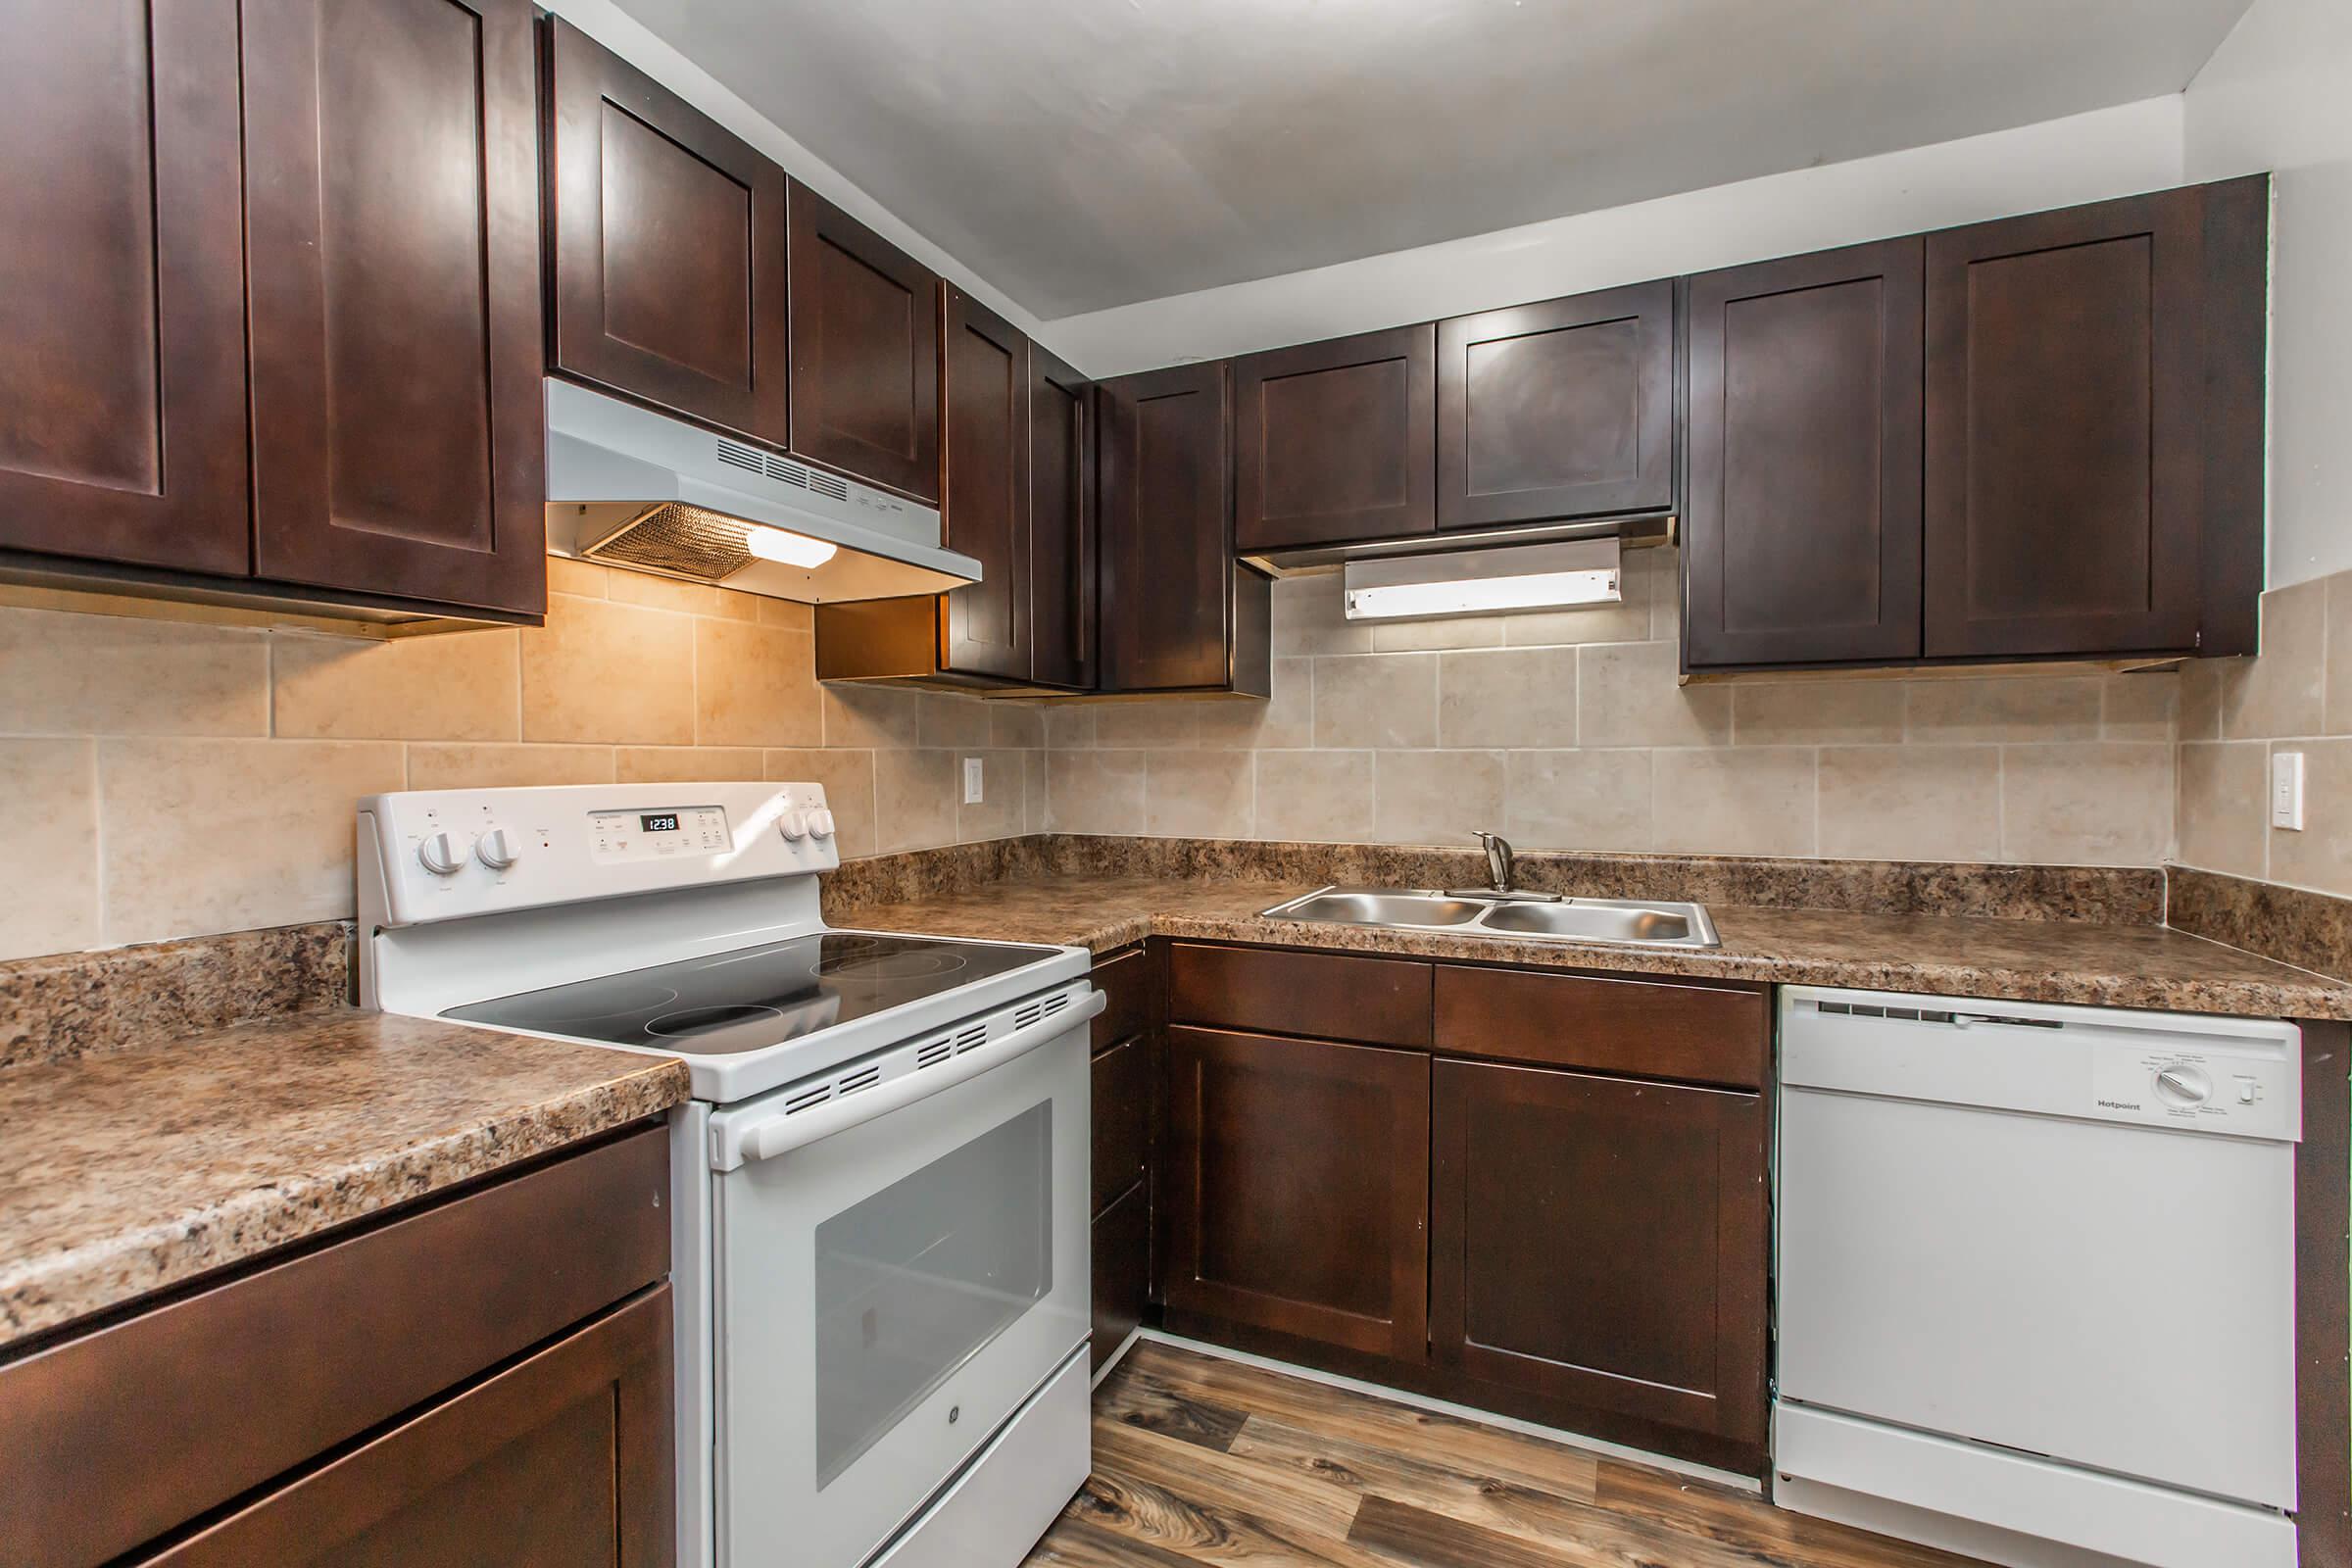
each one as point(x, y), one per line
point(563, 1457)
point(1601, 1241)
point(1297, 1188)
point(1122, 1245)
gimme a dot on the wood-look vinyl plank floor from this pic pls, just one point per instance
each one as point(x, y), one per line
point(1201, 1462)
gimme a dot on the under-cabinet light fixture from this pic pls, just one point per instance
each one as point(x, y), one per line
point(784, 546)
point(1483, 582)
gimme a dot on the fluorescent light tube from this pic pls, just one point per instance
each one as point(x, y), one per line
point(1483, 582)
point(784, 546)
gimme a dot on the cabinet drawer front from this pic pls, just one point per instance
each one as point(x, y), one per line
point(1642, 1027)
point(1125, 981)
point(566, 1458)
point(1381, 1001)
point(1122, 1120)
point(260, 1373)
point(1297, 1188)
point(1644, 1204)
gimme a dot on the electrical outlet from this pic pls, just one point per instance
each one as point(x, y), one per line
point(2286, 791)
point(971, 781)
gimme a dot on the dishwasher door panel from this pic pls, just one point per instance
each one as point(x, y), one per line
point(2115, 1296)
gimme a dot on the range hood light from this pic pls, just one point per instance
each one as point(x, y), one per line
point(786, 548)
point(1483, 582)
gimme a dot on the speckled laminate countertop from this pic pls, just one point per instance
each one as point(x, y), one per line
point(2025, 960)
point(125, 1173)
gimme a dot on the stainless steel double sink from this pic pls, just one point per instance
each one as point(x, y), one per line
point(1635, 922)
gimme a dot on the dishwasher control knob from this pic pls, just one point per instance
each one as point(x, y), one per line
point(2184, 1086)
point(440, 855)
point(497, 849)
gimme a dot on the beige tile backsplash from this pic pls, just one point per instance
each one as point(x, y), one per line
point(2237, 713)
point(1571, 730)
point(193, 779)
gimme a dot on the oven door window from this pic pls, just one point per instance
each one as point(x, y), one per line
point(915, 1281)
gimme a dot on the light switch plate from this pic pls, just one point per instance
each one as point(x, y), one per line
point(2286, 790)
point(971, 781)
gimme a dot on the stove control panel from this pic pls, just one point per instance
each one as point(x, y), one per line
point(686, 830)
point(440, 855)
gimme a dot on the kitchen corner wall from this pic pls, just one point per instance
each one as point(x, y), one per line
point(177, 779)
point(1568, 730)
point(2235, 712)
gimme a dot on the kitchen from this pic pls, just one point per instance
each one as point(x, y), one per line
point(948, 785)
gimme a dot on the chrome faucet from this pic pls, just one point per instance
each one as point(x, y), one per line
point(1499, 858)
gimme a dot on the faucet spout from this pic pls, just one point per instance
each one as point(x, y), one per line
point(1499, 858)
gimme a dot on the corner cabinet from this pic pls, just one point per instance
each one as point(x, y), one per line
point(1179, 612)
point(865, 393)
point(667, 277)
point(381, 302)
point(1062, 549)
point(2040, 437)
point(1335, 441)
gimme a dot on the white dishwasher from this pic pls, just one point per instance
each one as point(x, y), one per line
point(2036, 1278)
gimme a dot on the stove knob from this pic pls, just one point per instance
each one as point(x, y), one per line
point(820, 824)
point(498, 848)
point(441, 854)
point(794, 825)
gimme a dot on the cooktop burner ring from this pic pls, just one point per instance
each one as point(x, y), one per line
point(637, 1004)
point(872, 968)
point(687, 1022)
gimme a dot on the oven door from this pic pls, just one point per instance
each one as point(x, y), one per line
point(888, 1296)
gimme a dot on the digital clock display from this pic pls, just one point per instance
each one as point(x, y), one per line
point(658, 822)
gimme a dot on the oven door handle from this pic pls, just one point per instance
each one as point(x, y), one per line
point(733, 1144)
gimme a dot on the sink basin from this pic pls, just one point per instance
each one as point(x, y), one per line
point(1364, 906)
point(1632, 922)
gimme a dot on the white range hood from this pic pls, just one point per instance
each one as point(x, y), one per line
point(651, 493)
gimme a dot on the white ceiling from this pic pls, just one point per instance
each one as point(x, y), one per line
point(1080, 154)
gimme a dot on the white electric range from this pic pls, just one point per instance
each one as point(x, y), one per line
point(879, 1189)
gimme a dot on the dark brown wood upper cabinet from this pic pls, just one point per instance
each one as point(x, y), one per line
point(1801, 530)
point(2086, 374)
point(121, 285)
point(667, 280)
point(1062, 523)
point(1557, 410)
point(392, 207)
point(1177, 613)
point(1335, 441)
point(1645, 1203)
point(984, 385)
point(1298, 1188)
point(864, 351)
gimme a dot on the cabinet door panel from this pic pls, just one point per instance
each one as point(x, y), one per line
point(1298, 1188)
point(864, 351)
point(1335, 440)
point(1062, 523)
point(668, 276)
point(1602, 1241)
point(1122, 1102)
point(1122, 1247)
point(121, 285)
point(1167, 531)
point(564, 1457)
point(1563, 409)
point(393, 205)
point(985, 487)
point(1804, 518)
point(2065, 376)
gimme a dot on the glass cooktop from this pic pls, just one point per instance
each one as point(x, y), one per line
point(752, 998)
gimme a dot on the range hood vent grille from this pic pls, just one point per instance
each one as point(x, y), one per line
point(751, 459)
point(677, 540)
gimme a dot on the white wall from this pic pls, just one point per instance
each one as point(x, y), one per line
point(2277, 95)
point(2109, 152)
point(630, 39)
